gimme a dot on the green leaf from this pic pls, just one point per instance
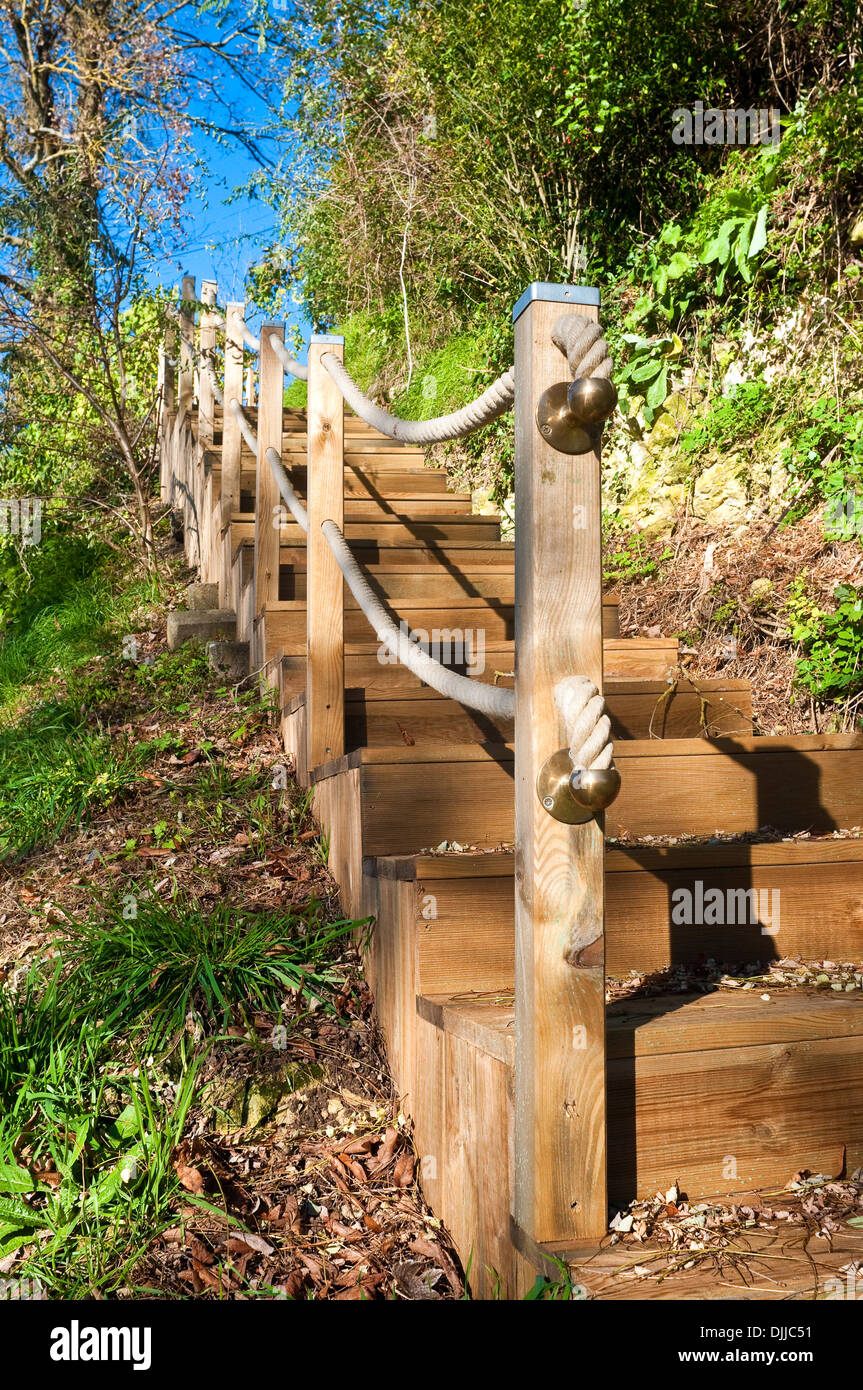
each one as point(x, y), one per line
point(15, 1179)
point(12, 1238)
point(17, 1213)
point(720, 247)
point(643, 371)
point(759, 235)
point(679, 264)
point(658, 389)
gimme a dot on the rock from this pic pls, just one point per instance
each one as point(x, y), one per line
point(200, 625)
point(760, 588)
point(202, 597)
point(245, 1102)
point(855, 236)
point(229, 659)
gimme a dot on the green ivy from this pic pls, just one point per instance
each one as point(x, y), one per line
point(831, 667)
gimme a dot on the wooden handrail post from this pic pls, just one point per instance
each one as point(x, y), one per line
point(325, 668)
point(187, 365)
point(232, 442)
point(268, 506)
point(206, 410)
point(207, 344)
point(168, 407)
point(182, 430)
point(560, 1126)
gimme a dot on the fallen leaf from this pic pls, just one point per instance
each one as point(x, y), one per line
point(415, 1282)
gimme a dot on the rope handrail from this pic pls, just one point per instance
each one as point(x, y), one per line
point(289, 363)
point(494, 401)
point(249, 338)
point(582, 343)
point(245, 428)
point(492, 700)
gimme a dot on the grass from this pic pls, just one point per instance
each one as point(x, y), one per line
point(86, 1175)
point(91, 1110)
point(57, 673)
point(173, 959)
point(51, 774)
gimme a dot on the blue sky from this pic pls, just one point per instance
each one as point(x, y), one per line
point(225, 232)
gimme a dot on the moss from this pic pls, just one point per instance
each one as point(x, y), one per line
point(244, 1102)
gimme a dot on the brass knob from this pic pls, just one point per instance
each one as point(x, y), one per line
point(591, 399)
point(595, 788)
point(569, 415)
point(573, 795)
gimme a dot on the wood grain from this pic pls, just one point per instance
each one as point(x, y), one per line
point(326, 621)
point(231, 446)
point(560, 1188)
point(268, 502)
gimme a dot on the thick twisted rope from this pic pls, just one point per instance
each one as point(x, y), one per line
point(583, 346)
point(245, 428)
point(487, 407)
point(588, 727)
point(289, 363)
point(492, 700)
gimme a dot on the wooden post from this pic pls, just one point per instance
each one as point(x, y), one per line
point(207, 344)
point(232, 442)
point(268, 503)
point(182, 430)
point(206, 412)
point(325, 668)
point(560, 1131)
point(187, 366)
point(168, 406)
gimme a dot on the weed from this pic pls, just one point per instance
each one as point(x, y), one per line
point(173, 959)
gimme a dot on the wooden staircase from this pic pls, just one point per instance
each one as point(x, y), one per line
point(419, 813)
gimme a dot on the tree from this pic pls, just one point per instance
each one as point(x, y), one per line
point(95, 160)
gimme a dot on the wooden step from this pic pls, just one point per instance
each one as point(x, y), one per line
point(669, 787)
point(380, 509)
point(457, 916)
point(419, 530)
point(644, 709)
point(370, 677)
point(408, 484)
point(638, 709)
point(399, 589)
point(446, 626)
point(389, 457)
point(459, 563)
point(368, 480)
point(385, 554)
point(433, 586)
point(294, 423)
point(766, 1088)
point(748, 1073)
